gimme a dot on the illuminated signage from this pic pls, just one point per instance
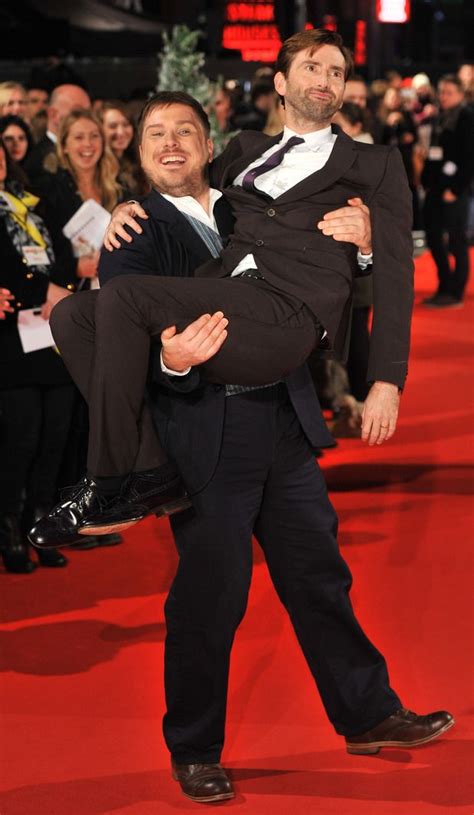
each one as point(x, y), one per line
point(393, 11)
point(360, 43)
point(251, 29)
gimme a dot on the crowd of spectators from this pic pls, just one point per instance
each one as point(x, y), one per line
point(59, 148)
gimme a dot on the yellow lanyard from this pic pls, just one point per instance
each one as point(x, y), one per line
point(19, 209)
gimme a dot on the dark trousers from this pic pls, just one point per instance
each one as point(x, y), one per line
point(104, 337)
point(34, 425)
point(446, 233)
point(267, 482)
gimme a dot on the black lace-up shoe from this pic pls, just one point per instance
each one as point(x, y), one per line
point(60, 527)
point(152, 492)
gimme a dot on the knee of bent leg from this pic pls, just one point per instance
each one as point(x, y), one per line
point(61, 317)
point(116, 292)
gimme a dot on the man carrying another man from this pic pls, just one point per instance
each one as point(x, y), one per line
point(254, 467)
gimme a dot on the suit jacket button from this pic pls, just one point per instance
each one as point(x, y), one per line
point(259, 243)
point(271, 212)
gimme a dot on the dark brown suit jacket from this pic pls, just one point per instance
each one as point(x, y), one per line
point(295, 257)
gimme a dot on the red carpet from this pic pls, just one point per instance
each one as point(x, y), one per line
point(81, 648)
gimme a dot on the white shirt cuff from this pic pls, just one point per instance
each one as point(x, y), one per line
point(364, 260)
point(168, 371)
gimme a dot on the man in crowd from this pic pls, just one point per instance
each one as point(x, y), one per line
point(447, 178)
point(64, 98)
point(250, 469)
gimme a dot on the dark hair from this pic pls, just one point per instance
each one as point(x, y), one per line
point(453, 79)
point(356, 78)
point(353, 113)
point(15, 177)
point(164, 99)
point(11, 119)
point(312, 39)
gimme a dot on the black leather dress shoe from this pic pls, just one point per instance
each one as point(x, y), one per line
point(142, 495)
point(60, 527)
point(52, 558)
point(204, 783)
point(402, 729)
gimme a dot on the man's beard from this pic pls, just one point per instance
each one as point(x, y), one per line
point(191, 184)
point(313, 110)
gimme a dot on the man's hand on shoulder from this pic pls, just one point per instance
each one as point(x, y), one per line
point(200, 341)
point(350, 224)
point(380, 413)
point(123, 215)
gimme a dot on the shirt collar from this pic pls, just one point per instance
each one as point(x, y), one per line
point(186, 201)
point(52, 136)
point(312, 140)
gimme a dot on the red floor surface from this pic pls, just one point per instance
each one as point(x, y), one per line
point(81, 648)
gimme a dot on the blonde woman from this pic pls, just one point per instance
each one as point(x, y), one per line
point(84, 167)
point(120, 135)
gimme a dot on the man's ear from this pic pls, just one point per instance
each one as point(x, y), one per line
point(280, 83)
point(210, 147)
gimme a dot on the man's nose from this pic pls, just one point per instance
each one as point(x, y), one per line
point(322, 78)
point(171, 139)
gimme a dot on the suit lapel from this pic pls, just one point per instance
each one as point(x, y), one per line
point(235, 167)
point(178, 226)
point(224, 218)
point(342, 157)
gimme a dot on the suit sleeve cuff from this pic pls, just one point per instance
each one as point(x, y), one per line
point(168, 371)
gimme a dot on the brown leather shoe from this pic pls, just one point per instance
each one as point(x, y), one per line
point(401, 729)
point(204, 783)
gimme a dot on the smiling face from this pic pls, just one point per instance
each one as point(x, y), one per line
point(118, 130)
point(175, 150)
point(16, 142)
point(313, 88)
point(83, 144)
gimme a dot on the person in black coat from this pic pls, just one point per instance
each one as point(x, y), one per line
point(447, 177)
point(36, 391)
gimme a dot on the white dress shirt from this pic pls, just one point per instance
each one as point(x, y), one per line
point(190, 206)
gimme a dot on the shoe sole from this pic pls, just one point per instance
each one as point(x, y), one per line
point(164, 509)
point(446, 305)
point(207, 799)
point(374, 747)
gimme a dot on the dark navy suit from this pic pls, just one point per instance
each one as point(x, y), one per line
point(248, 461)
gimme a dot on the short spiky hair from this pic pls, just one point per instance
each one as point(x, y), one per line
point(164, 99)
point(312, 39)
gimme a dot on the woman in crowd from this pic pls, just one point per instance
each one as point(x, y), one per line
point(119, 132)
point(17, 139)
point(83, 168)
point(351, 118)
point(36, 392)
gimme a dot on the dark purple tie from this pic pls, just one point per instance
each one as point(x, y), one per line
point(248, 181)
